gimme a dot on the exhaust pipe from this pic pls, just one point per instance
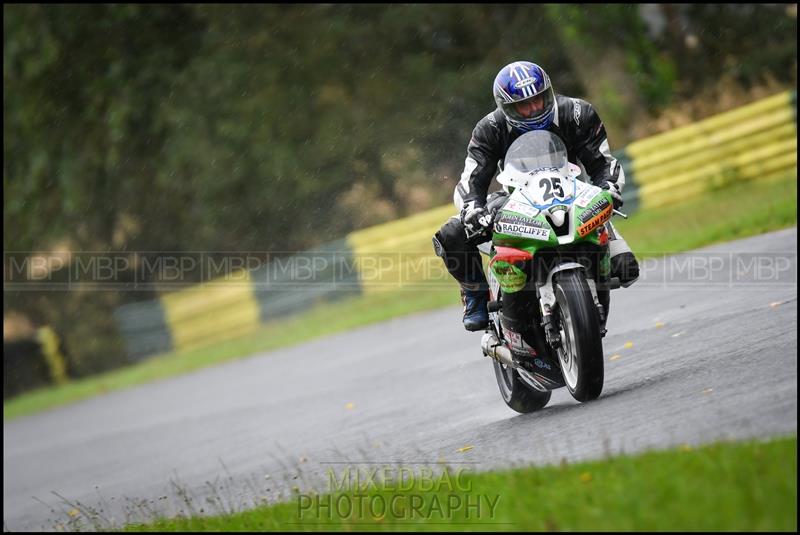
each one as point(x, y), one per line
point(492, 347)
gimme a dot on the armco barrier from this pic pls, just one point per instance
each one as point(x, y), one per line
point(227, 307)
point(32, 362)
point(220, 309)
point(398, 250)
point(144, 328)
point(294, 283)
point(754, 142)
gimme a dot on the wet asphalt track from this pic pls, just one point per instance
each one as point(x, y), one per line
point(713, 357)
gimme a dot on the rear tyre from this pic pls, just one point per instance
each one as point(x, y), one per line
point(578, 323)
point(518, 395)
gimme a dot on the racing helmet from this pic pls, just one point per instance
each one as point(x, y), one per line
point(523, 93)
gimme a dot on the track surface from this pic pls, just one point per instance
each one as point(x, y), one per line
point(713, 357)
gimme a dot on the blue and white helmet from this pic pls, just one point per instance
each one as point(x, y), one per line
point(518, 83)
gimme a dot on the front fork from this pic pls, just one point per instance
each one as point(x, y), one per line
point(547, 302)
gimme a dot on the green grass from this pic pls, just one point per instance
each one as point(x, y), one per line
point(749, 486)
point(738, 211)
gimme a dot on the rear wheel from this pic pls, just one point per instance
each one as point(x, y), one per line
point(515, 392)
point(581, 352)
point(518, 395)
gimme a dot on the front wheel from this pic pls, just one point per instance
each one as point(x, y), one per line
point(516, 393)
point(581, 351)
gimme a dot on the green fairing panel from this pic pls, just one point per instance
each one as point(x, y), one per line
point(539, 234)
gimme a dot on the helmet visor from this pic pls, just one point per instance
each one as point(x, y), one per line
point(530, 109)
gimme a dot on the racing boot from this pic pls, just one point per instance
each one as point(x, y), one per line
point(625, 267)
point(476, 315)
point(623, 263)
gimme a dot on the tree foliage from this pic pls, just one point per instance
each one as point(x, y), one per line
point(218, 127)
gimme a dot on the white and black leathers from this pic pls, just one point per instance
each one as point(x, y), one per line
point(575, 122)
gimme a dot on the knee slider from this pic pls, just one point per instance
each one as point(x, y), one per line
point(450, 236)
point(437, 246)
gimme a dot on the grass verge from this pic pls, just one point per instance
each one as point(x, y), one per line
point(741, 210)
point(738, 211)
point(748, 486)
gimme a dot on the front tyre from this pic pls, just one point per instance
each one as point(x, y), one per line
point(516, 393)
point(581, 352)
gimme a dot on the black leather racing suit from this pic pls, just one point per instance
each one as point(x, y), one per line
point(575, 122)
point(578, 125)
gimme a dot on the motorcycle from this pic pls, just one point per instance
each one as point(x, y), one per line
point(549, 276)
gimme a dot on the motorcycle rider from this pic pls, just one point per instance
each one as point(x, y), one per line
point(525, 101)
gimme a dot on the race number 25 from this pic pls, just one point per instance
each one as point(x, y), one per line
point(550, 185)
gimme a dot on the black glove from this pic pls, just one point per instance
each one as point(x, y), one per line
point(614, 190)
point(476, 219)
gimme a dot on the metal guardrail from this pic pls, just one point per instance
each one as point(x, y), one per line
point(753, 142)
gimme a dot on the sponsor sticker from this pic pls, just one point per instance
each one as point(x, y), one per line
point(521, 208)
point(596, 221)
point(594, 210)
point(520, 220)
point(494, 284)
point(586, 196)
point(518, 345)
point(511, 278)
point(523, 231)
point(522, 226)
point(546, 169)
point(525, 83)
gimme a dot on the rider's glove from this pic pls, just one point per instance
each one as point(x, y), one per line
point(475, 218)
point(613, 189)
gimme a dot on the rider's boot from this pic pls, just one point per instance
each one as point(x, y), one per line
point(625, 268)
point(623, 263)
point(476, 315)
